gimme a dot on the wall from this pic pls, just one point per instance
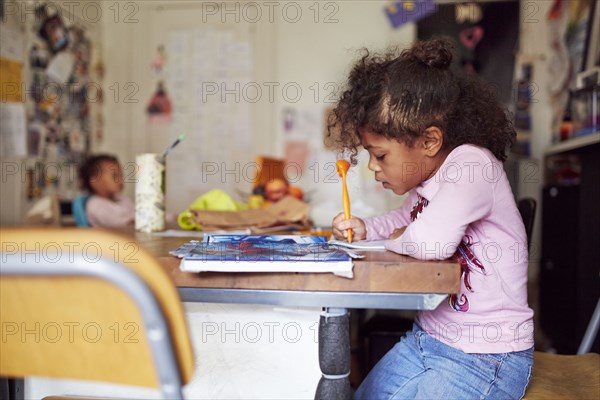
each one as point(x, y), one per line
point(535, 47)
point(12, 183)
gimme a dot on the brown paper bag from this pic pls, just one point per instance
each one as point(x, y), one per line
point(288, 211)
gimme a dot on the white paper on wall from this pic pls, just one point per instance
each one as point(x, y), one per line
point(12, 130)
point(12, 43)
point(207, 86)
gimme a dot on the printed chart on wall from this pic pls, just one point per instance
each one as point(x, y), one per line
point(205, 71)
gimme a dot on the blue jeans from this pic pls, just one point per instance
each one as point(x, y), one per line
point(421, 367)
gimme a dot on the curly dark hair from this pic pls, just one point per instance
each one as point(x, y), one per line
point(91, 169)
point(400, 96)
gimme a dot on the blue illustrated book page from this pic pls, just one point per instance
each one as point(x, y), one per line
point(268, 253)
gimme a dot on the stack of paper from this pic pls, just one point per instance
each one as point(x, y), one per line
point(373, 245)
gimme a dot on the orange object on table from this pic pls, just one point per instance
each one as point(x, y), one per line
point(342, 167)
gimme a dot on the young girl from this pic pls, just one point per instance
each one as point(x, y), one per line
point(103, 178)
point(442, 138)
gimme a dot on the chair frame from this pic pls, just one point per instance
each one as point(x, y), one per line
point(527, 204)
point(591, 331)
point(153, 318)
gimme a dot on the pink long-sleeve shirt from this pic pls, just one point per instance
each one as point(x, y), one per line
point(467, 211)
point(106, 213)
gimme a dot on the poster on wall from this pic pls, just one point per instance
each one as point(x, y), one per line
point(159, 107)
point(11, 81)
point(486, 38)
point(592, 46)
point(579, 24)
point(404, 11)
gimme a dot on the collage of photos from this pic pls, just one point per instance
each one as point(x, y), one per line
point(58, 102)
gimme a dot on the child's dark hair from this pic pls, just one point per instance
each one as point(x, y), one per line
point(91, 169)
point(399, 97)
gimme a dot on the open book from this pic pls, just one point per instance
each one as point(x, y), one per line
point(272, 253)
point(372, 245)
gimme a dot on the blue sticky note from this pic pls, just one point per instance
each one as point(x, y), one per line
point(403, 11)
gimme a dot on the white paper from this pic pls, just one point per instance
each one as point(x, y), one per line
point(150, 193)
point(239, 351)
point(373, 245)
point(12, 130)
point(210, 106)
point(60, 67)
point(197, 234)
point(12, 43)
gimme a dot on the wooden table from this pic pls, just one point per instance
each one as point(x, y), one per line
point(381, 280)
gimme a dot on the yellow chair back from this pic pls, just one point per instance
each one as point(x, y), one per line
point(82, 322)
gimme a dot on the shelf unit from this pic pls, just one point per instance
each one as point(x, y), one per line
point(570, 263)
point(573, 144)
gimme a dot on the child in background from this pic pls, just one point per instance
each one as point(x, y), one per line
point(442, 138)
point(103, 178)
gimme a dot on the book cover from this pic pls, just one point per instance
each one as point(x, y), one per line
point(268, 253)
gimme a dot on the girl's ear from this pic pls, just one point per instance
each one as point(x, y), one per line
point(432, 141)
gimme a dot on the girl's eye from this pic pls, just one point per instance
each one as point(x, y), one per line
point(380, 158)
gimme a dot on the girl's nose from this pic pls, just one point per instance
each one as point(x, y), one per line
point(372, 165)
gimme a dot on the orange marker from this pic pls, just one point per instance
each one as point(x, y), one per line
point(342, 167)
